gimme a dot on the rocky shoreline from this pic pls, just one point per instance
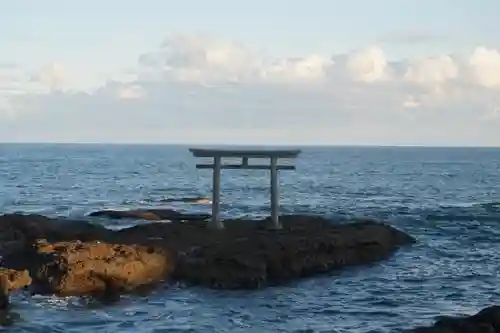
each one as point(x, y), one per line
point(66, 257)
point(83, 258)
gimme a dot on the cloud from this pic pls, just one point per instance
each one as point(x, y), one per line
point(199, 88)
point(198, 58)
point(11, 83)
point(492, 115)
point(432, 70)
point(209, 61)
point(52, 76)
point(485, 67)
point(368, 65)
point(9, 74)
point(310, 68)
point(410, 103)
point(132, 91)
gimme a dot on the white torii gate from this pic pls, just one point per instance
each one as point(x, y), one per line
point(217, 166)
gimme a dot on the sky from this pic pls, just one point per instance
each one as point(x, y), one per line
point(319, 72)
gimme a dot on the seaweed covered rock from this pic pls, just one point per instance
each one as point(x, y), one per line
point(485, 321)
point(83, 268)
point(149, 214)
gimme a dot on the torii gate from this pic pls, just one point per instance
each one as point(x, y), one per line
point(217, 166)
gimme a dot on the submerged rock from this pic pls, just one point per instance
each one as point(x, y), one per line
point(485, 321)
point(149, 214)
point(83, 268)
point(193, 200)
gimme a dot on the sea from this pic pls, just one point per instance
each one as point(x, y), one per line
point(447, 198)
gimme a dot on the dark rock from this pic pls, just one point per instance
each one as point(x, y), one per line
point(86, 268)
point(485, 321)
point(195, 200)
point(18, 231)
point(4, 293)
point(248, 254)
point(149, 214)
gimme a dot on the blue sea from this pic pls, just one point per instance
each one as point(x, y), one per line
point(447, 198)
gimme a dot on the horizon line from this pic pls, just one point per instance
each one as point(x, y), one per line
point(205, 144)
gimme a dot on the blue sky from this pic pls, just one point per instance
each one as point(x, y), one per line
point(372, 72)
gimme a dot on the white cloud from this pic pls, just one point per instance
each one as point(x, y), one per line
point(368, 65)
point(6, 110)
point(485, 67)
point(198, 58)
point(310, 68)
point(52, 76)
point(205, 60)
point(132, 91)
point(10, 85)
point(492, 115)
point(192, 86)
point(9, 76)
point(432, 70)
point(410, 103)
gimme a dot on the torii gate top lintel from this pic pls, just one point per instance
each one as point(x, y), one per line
point(218, 154)
point(254, 153)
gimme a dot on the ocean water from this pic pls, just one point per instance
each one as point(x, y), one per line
point(448, 198)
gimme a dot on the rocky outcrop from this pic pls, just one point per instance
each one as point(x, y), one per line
point(69, 257)
point(19, 231)
point(12, 279)
point(76, 258)
point(248, 254)
point(485, 321)
point(83, 268)
point(150, 215)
